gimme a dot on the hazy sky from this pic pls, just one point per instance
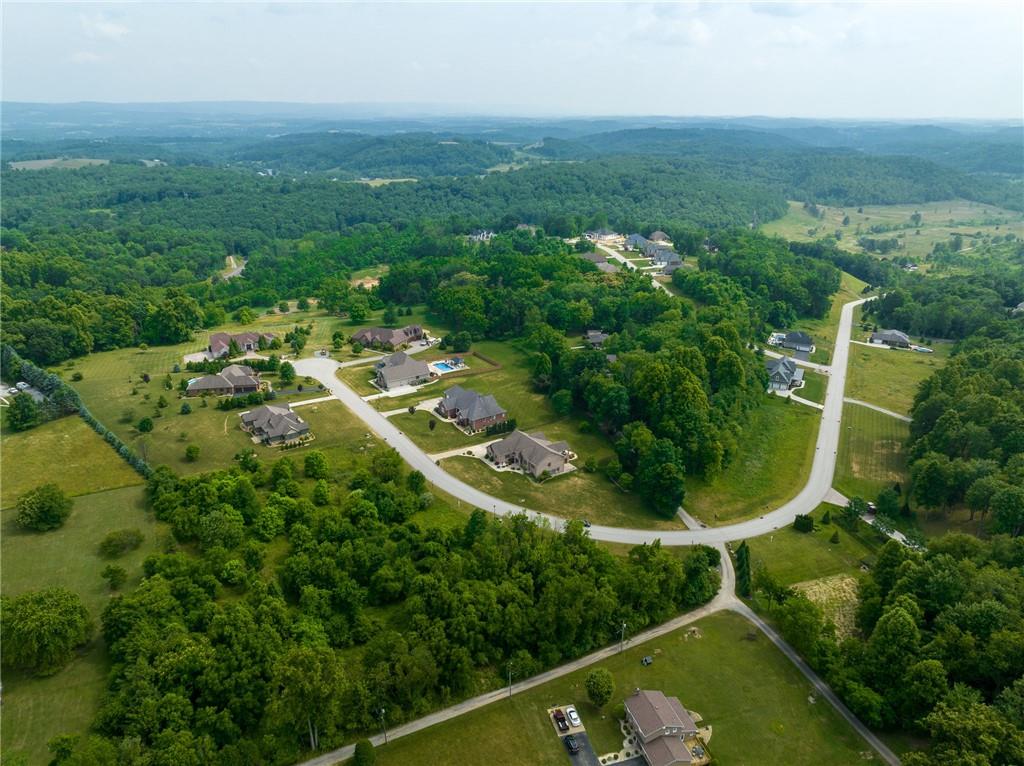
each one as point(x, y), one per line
point(881, 59)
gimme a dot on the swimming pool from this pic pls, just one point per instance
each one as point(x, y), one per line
point(443, 366)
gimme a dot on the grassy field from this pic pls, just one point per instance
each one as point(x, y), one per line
point(86, 463)
point(65, 163)
point(755, 700)
point(823, 331)
point(445, 435)
point(777, 448)
point(939, 221)
point(36, 709)
point(889, 378)
point(814, 386)
point(871, 452)
point(797, 556)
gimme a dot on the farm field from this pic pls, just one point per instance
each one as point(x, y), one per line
point(65, 163)
point(939, 221)
point(86, 462)
point(871, 452)
point(37, 709)
point(776, 451)
point(754, 698)
point(889, 378)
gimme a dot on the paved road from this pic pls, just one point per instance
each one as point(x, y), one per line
point(822, 368)
point(814, 491)
point(235, 270)
point(876, 408)
point(616, 257)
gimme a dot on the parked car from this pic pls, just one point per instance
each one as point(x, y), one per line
point(560, 721)
point(22, 386)
point(572, 745)
point(12, 390)
point(586, 523)
point(647, 660)
point(573, 716)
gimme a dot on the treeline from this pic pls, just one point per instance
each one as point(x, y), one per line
point(937, 650)
point(228, 655)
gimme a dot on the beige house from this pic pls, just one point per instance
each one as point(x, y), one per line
point(662, 724)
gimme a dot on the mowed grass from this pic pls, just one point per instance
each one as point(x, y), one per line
point(776, 451)
point(872, 452)
point(794, 557)
point(444, 437)
point(37, 709)
point(814, 386)
point(890, 377)
point(66, 452)
point(939, 221)
point(754, 698)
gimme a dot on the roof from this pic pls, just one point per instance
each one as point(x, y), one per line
point(232, 376)
point(786, 367)
point(400, 366)
point(658, 236)
point(636, 240)
point(651, 710)
point(388, 336)
point(891, 335)
point(798, 337)
point(534, 448)
point(275, 422)
point(665, 751)
point(221, 341)
point(470, 404)
point(596, 337)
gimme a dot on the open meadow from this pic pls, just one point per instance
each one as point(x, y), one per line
point(889, 377)
point(871, 452)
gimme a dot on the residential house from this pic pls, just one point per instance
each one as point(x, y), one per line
point(532, 453)
point(220, 342)
point(600, 235)
point(470, 410)
point(595, 338)
point(387, 337)
point(661, 724)
point(274, 424)
point(233, 380)
point(400, 369)
point(784, 373)
point(481, 235)
point(671, 269)
point(636, 242)
point(666, 257)
point(798, 341)
point(659, 236)
point(893, 338)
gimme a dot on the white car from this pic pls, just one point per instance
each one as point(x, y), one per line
point(22, 386)
point(12, 390)
point(573, 716)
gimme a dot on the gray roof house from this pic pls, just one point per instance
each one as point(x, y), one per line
point(400, 369)
point(232, 380)
point(891, 338)
point(595, 338)
point(469, 409)
point(636, 242)
point(659, 236)
point(220, 342)
point(661, 724)
point(533, 453)
point(388, 337)
point(274, 424)
point(784, 373)
point(798, 341)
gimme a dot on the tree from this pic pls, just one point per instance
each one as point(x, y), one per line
point(302, 304)
point(835, 538)
point(309, 694)
point(743, 569)
point(1007, 506)
point(888, 503)
point(600, 684)
point(321, 493)
point(364, 754)
point(286, 373)
point(23, 413)
point(357, 348)
point(432, 424)
point(357, 307)
point(390, 316)
point(145, 425)
point(561, 401)
point(461, 341)
point(282, 307)
point(416, 482)
point(119, 542)
point(114, 575)
point(40, 629)
point(803, 523)
point(186, 408)
point(315, 465)
point(43, 508)
point(192, 453)
point(852, 512)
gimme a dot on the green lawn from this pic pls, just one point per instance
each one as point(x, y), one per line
point(776, 451)
point(37, 709)
point(358, 378)
point(66, 452)
point(814, 386)
point(797, 556)
point(823, 331)
point(871, 452)
point(888, 377)
point(755, 700)
point(445, 435)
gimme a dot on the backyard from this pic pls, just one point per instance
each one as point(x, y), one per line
point(871, 452)
point(889, 378)
point(755, 699)
point(775, 454)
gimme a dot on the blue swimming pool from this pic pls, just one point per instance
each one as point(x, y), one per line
point(443, 366)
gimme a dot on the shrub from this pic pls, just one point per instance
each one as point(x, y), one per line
point(114, 575)
point(145, 425)
point(186, 408)
point(364, 754)
point(600, 685)
point(43, 508)
point(803, 523)
point(42, 628)
point(76, 376)
point(826, 517)
point(835, 538)
point(119, 542)
point(192, 453)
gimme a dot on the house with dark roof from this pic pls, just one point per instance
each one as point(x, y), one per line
point(532, 453)
point(595, 338)
point(662, 725)
point(892, 338)
point(665, 257)
point(388, 337)
point(659, 236)
point(784, 374)
point(275, 424)
point(470, 410)
point(233, 380)
point(220, 342)
point(636, 242)
point(798, 341)
point(400, 369)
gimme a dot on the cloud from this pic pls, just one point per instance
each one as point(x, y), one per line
point(665, 26)
point(779, 9)
point(102, 27)
point(85, 57)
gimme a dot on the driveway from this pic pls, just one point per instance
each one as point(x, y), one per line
point(586, 756)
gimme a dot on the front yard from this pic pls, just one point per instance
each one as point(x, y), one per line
point(890, 378)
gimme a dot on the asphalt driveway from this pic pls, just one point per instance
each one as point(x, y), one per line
point(586, 756)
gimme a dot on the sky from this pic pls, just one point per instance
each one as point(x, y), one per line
point(824, 60)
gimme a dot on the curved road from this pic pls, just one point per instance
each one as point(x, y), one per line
point(818, 483)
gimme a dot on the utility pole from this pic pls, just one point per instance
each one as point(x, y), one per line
point(622, 638)
point(382, 726)
point(510, 680)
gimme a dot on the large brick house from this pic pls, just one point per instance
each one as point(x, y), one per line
point(532, 453)
point(220, 342)
point(387, 337)
point(274, 424)
point(470, 410)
